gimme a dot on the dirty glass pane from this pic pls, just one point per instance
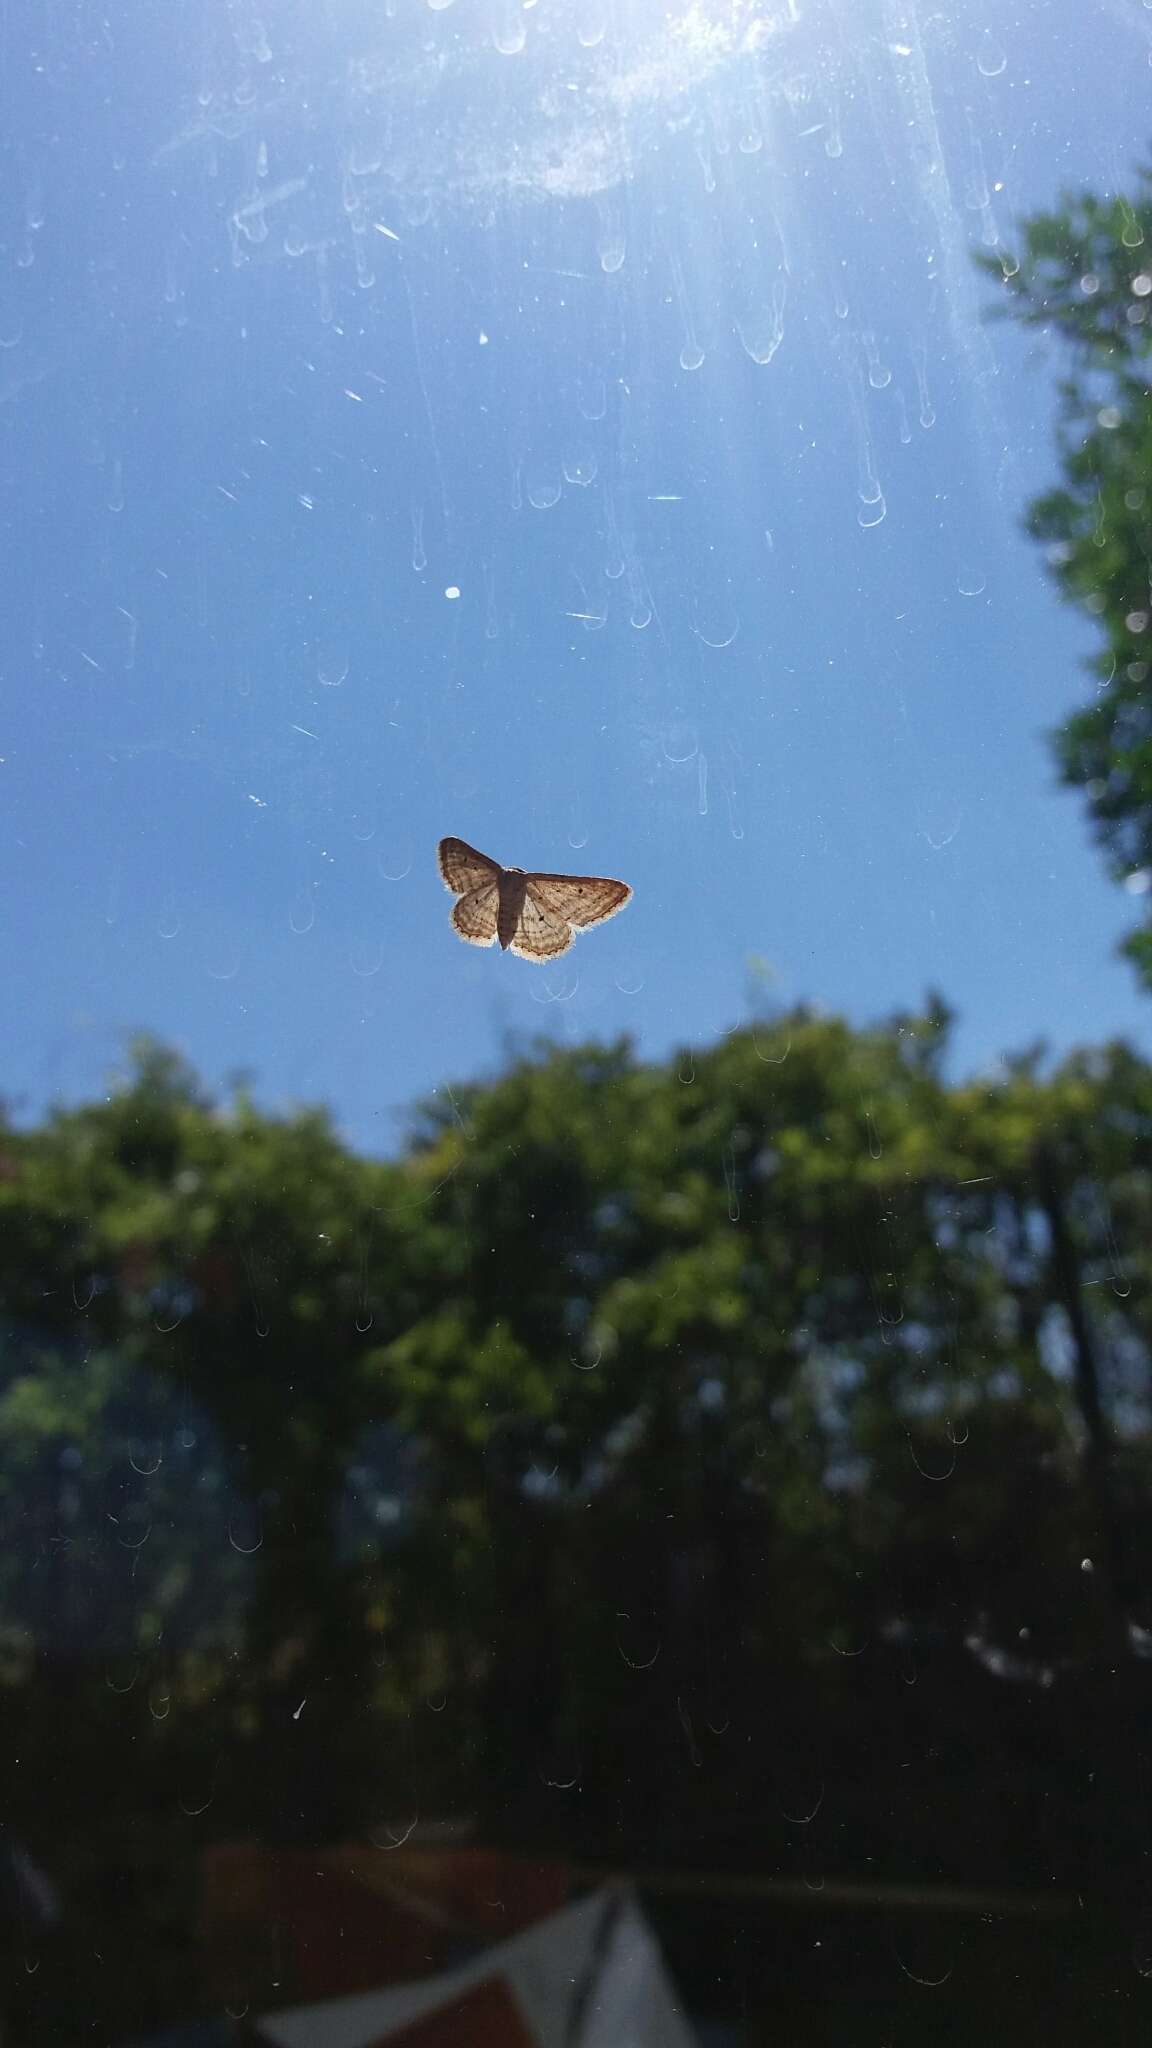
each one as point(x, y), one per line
point(597, 1493)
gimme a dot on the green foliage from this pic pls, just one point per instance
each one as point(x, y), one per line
point(593, 1437)
point(1085, 274)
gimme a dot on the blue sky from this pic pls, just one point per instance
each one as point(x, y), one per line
point(662, 348)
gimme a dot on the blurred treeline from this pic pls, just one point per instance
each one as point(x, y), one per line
point(742, 1460)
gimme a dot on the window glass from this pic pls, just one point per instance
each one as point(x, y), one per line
point(593, 1484)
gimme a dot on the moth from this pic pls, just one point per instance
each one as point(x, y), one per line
point(534, 916)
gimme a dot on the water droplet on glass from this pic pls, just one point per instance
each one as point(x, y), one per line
point(168, 923)
point(718, 640)
point(588, 1358)
point(510, 37)
point(560, 1777)
point(193, 1808)
point(691, 353)
point(686, 1069)
point(872, 514)
point(804, 1814)
point(224, 965)
point(592, 398)
point(680, 742)
point(544, 490)
point(762, 330)
point(246, 1531)
point(879, 376)
point(365, 275)
point(302, 915)
point(990, 57)
point(366, 961)
point(972, 584)
point(419, 558)
point(638, 1645)
point(395, 1834)
point(612, 250)
point(331, 667)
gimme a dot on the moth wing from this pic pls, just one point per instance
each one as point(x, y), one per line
point(540, 934)
point(580, 900)
point(462, 868)
point(474, 915)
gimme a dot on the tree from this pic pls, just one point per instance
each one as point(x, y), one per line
point(165, 1257)
point(647, 1446)
point(1085, 274)
point(760, 1352)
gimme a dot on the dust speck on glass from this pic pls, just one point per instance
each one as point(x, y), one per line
point(551, 1492)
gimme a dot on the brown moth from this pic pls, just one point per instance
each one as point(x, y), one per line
point(534, 916)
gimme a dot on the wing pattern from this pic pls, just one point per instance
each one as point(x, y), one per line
point(580, 900)
point(475, 914)
point(462, 868)
point(539, 934)
point(542, 913)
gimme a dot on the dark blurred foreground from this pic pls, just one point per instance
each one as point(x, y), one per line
point(733, 1476)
